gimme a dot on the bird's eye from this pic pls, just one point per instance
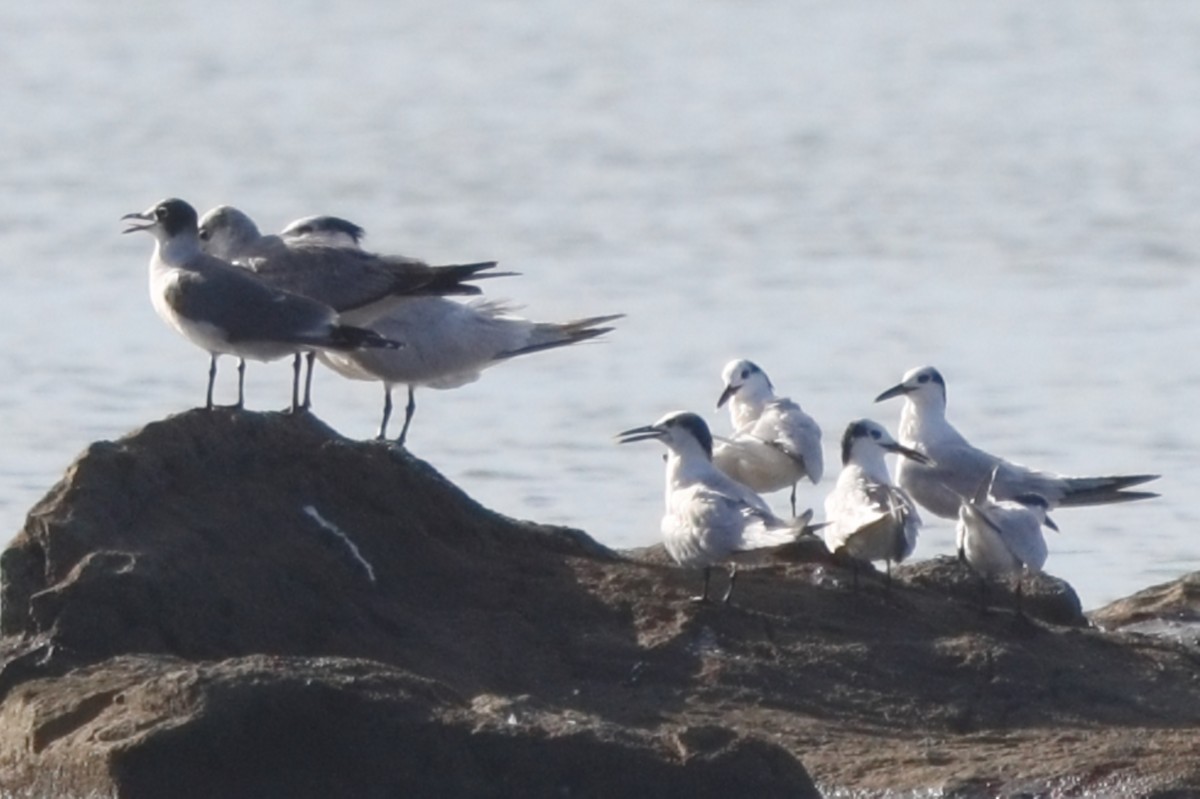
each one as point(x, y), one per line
point(923, 379)
point(745, 373)
point(875, 434)
point(204, 234)
point(160, 212)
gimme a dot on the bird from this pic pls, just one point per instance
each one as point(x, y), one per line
point(449, 344)
point(956, 468)
point(324, 229)
point(998, 537)
point(318, 257)
point(710, 518)
point(224, 309)
point(774, 443)
point(867, 517)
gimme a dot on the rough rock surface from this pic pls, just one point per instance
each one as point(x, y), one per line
point(236, 604)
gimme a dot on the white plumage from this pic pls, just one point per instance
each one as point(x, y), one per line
point(775, 443)
point(957, 469)
point(867, 517)
point(709, 518)
point(451, 343)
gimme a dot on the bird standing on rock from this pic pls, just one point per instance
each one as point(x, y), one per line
point(318, 257)
point(956, 469)
point(450, 344)
point(868, 517)
point(224, 309)
point(998, 537)
point(710, 518)
point(774, 443)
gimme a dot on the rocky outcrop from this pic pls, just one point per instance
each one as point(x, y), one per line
point(236, 604)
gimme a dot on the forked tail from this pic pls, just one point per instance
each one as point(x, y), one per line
point(548, 335)
point(1105, 490)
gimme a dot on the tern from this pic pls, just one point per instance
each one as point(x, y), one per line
point(449, 344)
point(324, 229)
point(957, 468)
point(318, 257)
point(1001, 537)
point(868, 517)
point(710, 518)
point(774, 443)
point(224, 309)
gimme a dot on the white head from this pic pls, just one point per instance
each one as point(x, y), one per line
point(330, 231)
point(746, 380)
point(227, 233)
point(924, 387)
point(866, 441)
point(684, 433)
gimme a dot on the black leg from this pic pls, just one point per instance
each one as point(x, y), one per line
point(387, 411)
point(212, 378)
point(311, 357)
point(409, 410)
point(241, 384)
point(793, 500)
point(704, 596)
point(296, 382)
point(888, 566)
point(732, 580)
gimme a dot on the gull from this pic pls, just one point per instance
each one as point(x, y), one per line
point(710, 518)
point(868, 517)
point(997, 537)
point(448, 344)
point(227, 310)
point(957, 468)
point(774, 443)
point(318, 257)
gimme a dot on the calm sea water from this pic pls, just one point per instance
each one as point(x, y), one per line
point(840, 191)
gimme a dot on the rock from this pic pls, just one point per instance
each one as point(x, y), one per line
point(1044, 596)
point(1169, 611)
point(236, 604)
point(296, 727)
point(1178, 600)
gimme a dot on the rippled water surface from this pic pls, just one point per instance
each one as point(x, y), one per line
point(1008, 191)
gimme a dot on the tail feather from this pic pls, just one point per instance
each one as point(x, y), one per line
point(1105, 490)
point(549, 335)
point(774, 536)
point(450, 279)
point(348, 337)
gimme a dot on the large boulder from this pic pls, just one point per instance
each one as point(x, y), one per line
point(236, 604)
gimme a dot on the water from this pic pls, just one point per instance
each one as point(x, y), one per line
point(1007, 191)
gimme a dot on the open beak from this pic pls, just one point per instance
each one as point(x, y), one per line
point(144, 216)
point(726, 394)
point(895, 391)
point(911, 454)
point(640, 434)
